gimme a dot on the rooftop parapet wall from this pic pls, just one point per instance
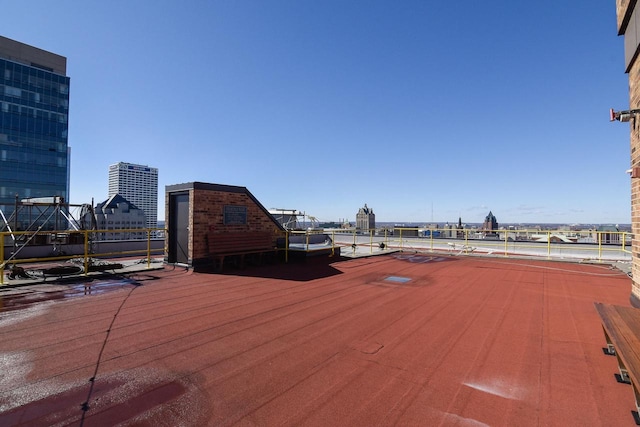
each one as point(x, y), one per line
point(30, 55)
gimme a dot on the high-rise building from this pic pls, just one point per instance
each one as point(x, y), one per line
point(34, 114)
point(139, 185)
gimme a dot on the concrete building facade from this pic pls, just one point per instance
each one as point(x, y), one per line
point(365, 219)
point(117, 213)
point(628, 23)
point(139, 185)
point(34, 114)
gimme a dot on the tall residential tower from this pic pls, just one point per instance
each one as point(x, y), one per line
point(139, 185)
point(34, 113)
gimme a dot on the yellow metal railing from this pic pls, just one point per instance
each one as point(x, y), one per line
point(307, 246)
point(595, 245)
point(59, 240)
point(592, 244)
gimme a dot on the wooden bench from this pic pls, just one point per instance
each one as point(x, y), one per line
point(621, 327)
point(238, 246)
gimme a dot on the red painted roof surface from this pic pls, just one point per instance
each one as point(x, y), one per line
point(392, 340)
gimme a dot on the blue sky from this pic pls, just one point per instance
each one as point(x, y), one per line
point(420, 109)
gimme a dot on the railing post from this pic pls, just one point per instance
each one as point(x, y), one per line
point(431, 240)
point(333, 242)
point(2, 237)
point(401, 242)
point(506, 241)
point(548, 244)
point(371, 240)
point(286, 247)
point(466, 240)
point(599, 245)
point(354, 246)
point(148, 248)
point(86, 252)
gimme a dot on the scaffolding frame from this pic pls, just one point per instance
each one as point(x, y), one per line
point(43, 211)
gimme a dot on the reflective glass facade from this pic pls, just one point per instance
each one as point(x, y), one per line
point(34, 151)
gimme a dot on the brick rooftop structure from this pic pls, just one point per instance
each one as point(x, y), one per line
point(212, 208)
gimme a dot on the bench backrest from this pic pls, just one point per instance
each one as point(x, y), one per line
point(230, 242)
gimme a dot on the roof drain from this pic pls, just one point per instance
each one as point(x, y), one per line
point(397, 279)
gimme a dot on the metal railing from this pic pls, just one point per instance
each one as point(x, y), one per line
point(601, 246)
point(28, 247)
point(305, 242)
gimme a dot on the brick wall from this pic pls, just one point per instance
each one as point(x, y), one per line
point(634, 125)
point(208, 217)
point(623, 13)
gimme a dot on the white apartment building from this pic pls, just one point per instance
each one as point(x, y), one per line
point(139, 185)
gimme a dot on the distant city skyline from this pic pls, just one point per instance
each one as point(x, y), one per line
point(323, 106)
point(478, 222)
point(623, 226)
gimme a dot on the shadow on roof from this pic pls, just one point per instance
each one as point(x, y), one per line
point(299, 270)
point(419, 258)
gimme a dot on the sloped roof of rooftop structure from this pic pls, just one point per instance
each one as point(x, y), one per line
point(403, 339)
point(113, 201)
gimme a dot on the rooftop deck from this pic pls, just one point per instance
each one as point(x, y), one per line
point(399, 339)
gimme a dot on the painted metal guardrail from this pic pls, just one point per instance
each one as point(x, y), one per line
point(600, 246)
point(67, 245)
point(306, 241)
point(594, 245)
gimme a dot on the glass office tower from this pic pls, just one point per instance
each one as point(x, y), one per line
point(34, 112)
